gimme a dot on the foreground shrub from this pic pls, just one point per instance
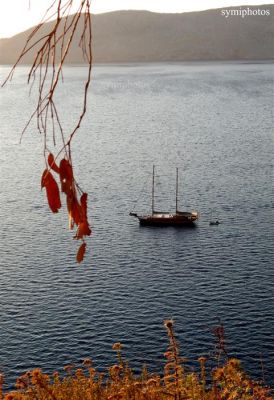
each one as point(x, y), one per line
point(226, 382)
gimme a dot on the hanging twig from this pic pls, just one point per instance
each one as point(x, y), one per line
point(51, 50)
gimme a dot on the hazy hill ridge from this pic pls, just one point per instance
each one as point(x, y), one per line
point(142, 36)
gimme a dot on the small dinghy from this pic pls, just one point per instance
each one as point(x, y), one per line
point(216, 222)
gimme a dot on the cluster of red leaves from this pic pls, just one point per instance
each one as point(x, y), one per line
point(77, 209)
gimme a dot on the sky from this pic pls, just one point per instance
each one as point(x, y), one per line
point(16, 15)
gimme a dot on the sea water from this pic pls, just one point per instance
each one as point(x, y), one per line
point(214, 121)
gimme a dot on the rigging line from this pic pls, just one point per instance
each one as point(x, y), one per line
point(141, 192)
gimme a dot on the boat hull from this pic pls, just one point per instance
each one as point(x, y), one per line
point(181, 219)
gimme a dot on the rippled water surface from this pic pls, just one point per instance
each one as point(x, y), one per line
point(214, 122)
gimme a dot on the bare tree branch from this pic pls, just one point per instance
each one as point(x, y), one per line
point(51, 51)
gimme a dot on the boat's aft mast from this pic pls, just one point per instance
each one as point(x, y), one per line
point(176, 201)
point(153, 179)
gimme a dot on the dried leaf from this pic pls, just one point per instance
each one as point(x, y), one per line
point(76, 211)
point(83, 230)
point(81, 252)
point(66, 176)
point(52, 164)
point(70, 197)
point(52, 190)
point(44, 178)
point(83, 201)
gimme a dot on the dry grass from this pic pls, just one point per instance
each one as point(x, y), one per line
point(226, 382)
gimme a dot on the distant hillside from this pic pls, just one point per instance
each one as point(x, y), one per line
point(142, 36)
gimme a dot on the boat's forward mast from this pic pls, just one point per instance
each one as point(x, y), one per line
point(176, 192)
point(153, 190)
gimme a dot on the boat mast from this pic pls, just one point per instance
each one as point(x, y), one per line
point(153, 173)
point(176, 201)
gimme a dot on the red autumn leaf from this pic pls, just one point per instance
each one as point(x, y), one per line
point(66, 169)
point(83, 230)
point(66, 176)
point(44, 178)
point(81, 252)
point(52, 164)
point(70, 199)
point(52, 190)
point(83, 201)
point(76, 211)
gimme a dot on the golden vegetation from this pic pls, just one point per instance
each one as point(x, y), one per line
point(226, 382)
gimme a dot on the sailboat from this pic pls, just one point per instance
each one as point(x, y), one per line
point(159, 218)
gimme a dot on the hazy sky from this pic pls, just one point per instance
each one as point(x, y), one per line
point(15, 15)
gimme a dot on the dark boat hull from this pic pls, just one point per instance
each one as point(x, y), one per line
point(180, 219)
